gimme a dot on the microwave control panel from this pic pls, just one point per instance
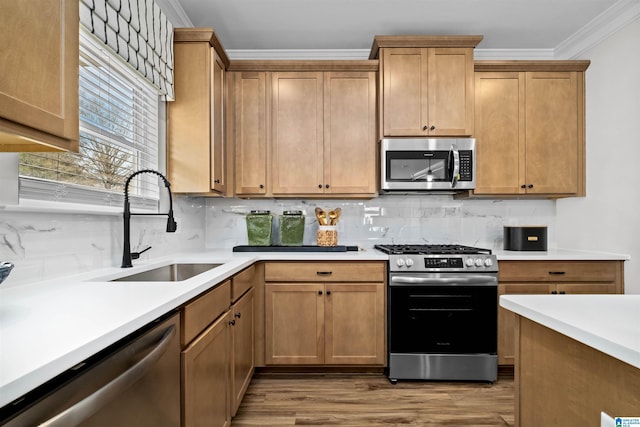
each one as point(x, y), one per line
point(466, 168)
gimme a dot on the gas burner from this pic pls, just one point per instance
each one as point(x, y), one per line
point(421, 249)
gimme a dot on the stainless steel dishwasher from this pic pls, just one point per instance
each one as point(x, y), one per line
point(133, 383)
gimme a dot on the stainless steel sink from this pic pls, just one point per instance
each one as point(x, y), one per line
point(168, 273)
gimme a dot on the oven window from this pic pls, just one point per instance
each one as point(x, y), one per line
point(443, 319)
point(417, 166)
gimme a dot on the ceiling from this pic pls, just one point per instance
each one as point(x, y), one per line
point(352, 24)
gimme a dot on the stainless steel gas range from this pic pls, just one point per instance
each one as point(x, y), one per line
point(442, 313)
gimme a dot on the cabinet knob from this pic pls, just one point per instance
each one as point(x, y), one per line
point(261, 185)
point(432, 127)
point(523, 186)
point(238, 315)
point(328, 292)
point(530, 186)
point(319, 185)
point(217, 181)
point(326, 186)
point(232, 323)
point(425, 127)
point(554, 292)
point(562, 292)
point(319, 292)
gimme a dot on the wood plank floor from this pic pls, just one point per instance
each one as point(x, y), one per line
point(370, 400)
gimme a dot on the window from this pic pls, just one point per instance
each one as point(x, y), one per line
point(118, 135)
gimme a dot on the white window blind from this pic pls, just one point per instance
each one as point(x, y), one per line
point(118, 136)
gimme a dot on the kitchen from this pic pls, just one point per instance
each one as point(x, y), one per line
point(49, 244)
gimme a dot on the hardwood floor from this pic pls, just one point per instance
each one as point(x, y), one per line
point(370, 400)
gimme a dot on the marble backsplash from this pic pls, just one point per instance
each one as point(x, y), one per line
point(45, 245)
point(388, 219)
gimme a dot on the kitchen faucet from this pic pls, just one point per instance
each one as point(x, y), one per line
point(127, 255)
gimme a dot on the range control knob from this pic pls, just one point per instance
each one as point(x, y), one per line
point(409, 262)
point(400, 262)
point(488, 262)
point(479, 262)
point(469, 262)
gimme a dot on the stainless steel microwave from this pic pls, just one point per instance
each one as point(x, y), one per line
point(427, 164)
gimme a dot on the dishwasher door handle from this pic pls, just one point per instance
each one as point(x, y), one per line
point(88, 406)
point(469, 280)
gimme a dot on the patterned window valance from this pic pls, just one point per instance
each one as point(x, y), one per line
point(139, 32)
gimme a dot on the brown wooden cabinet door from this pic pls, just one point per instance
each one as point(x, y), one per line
point(205, 377)
point(196, 136)
point(552, 129)
point(349, 133)
point(39, 82)
point(405, 87)
point(450, 96)
point(242, 338)
point(294, 324)
point(189, 120)
point(427, 91)
point(218, 152)
point(297, 133)
point(499, 133)
point(354, 323)
point(507, 319)
point(251, 133)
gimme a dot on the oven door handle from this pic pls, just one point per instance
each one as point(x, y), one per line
point(468, 280)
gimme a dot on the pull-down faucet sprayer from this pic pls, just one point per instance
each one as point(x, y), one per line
point(127, 256)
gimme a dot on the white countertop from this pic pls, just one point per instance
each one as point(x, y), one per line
point(559, 255)
point(50, 326)
point(608, 323)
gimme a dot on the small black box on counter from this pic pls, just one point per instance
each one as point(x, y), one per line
point(525, 238)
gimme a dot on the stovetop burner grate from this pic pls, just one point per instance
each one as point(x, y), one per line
point(420, 249)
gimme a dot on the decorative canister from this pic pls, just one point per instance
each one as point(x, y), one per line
point(291, 228)
point(327, 235)
point(259, 228)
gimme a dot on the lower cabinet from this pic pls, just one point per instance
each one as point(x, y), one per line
point(550, 277)
point(205, 359)
point(242, 348)
point(325, 314)
point(205, 371)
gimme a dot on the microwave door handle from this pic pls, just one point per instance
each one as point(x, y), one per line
point(456, 165)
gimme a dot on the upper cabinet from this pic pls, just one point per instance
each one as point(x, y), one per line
point(305, 133)
point(39, 78)
point(530, 122)
point(427, 85)
point(196, 150)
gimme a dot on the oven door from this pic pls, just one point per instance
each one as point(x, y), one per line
point(442, 313)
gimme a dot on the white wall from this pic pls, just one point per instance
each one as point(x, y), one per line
point(608, 219)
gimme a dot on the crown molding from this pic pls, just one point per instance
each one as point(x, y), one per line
point(298, 54)
point(599, 29)
point(174, 12)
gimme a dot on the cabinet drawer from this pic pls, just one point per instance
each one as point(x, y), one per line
point(558, 271)
point(241, 282)
point(325, 272)
point(201, 312)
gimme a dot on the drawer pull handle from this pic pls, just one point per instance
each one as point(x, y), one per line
point(324, 273)
point(557, 273)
